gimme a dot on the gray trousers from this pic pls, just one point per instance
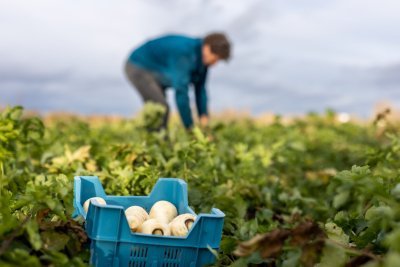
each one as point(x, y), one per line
point(148, 87)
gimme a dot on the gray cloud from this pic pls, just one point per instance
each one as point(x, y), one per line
point(13, 74)
point(387, 77)
point(288, 56)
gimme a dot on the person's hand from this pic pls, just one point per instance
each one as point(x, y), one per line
point(204, 121)
point(204, 124)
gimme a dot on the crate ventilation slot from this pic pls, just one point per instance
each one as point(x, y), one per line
point(138, 256)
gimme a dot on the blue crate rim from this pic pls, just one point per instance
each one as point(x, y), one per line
point(214, 213)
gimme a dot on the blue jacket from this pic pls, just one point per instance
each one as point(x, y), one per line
point(177, 62)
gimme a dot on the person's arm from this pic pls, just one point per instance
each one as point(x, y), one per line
point(181, 68)
point(183, 104)
point(201, 99)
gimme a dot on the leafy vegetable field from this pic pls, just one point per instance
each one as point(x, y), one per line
point(314, 192)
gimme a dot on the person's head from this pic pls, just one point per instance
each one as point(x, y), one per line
point(215, 47)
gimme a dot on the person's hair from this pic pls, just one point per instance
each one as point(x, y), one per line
point(219, 45)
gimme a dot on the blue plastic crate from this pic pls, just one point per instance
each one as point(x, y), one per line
point(114, 244)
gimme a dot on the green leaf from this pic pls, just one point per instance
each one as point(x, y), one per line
point(379, 213)
point(16, 112)
point(55, 257)
point(228, 244)
point(240, 263)
point(32, 229)
point(392, 259)
point(20, 257)
point(392, 240)
point(292, 259)
point(336, 233)
point(396, 191)
point(332, 256)
point(341, 199)
point(199, 135)
point(54, 241)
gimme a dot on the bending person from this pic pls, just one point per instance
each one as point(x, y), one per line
point(176, 61)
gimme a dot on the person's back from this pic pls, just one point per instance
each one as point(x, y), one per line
point(169, 56)
point(176, 61)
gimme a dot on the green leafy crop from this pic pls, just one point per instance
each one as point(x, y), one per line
point(314, 192)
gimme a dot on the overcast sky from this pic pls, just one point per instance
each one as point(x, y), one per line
point(289, 56)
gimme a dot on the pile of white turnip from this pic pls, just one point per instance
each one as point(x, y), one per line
point(163, 218)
